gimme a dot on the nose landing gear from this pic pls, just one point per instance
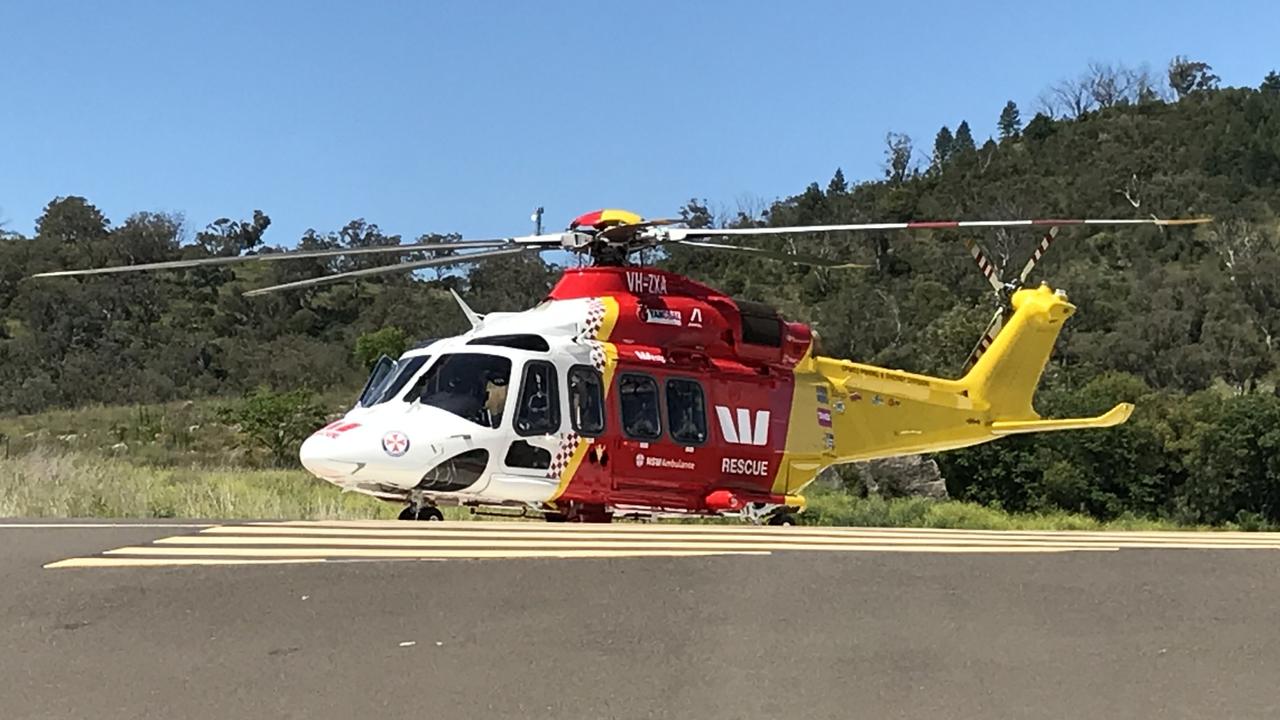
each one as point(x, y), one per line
point(422, 512)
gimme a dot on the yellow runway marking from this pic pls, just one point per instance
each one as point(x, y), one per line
point(88, 562)
point(658, 543)
point(313, 542)
point(160, 550)
point(744, 534)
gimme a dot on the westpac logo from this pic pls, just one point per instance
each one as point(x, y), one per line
point(737, 427)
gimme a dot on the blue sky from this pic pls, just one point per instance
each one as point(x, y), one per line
point(462, 117)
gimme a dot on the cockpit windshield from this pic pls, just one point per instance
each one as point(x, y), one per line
point(472, 386)
point(389, 377)
point(377, 381)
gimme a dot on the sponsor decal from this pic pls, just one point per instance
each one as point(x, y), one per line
point(695, 317)
point(743, 466)
point(661, 462)
point(829, 441)
point(839, 406)
point(877, 400)
point(893, 402)
point(824, 417)
point(855, 396)
point(646, 283)
point(395, 443)
point(738, 429)
point(650, 357)
point(662, 316)
point(822, 393)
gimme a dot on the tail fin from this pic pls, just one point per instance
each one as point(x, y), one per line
point(1006, 376)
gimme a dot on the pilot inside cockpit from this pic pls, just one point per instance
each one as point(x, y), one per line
point(472, 386)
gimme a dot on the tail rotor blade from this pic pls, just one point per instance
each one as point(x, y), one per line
point(1040, 250)
point(984, 342)
point(985, 266)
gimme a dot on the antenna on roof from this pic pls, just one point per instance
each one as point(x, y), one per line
point(536, 217)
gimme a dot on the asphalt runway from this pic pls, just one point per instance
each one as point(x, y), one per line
point(511, 620)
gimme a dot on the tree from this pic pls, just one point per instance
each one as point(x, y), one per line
point(1188, 76)
point(1271, 83)
point(942, 146)
point(1108, 85)
point(964, 139)
point(897, 154)
point(390, 341)
point(1040, 128)
point(837, 186)
point(225, 237)
point(276, 422)
point(1010, 124)
point(1071, 97)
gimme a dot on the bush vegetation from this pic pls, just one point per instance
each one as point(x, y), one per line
point(1181, 320)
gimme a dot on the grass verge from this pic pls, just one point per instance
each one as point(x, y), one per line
point(49, 483)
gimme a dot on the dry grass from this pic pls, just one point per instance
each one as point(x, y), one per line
point(46, 483)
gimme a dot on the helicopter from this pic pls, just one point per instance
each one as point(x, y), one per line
point(633, 392)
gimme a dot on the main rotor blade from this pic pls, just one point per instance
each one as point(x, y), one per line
point(773, 255)
point(683, 233)
point(984, 342)
point(383, 269)
point(985, 266)
point(1039, 252)
point(271, 257)
point(555, 240)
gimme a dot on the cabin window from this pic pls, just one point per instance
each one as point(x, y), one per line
point(523, 455)
point(472, 386)
point(538, 412)
point(586, 400)
point(532, 343)
point(686, 411)
point(639, 398)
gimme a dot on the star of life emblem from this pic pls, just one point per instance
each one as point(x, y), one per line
point(395, 443)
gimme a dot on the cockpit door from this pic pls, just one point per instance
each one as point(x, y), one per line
point(525, 469)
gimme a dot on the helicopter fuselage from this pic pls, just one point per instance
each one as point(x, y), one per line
point(637, 391)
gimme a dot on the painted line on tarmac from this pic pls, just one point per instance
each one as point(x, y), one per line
point(163, 550)
point(617, 541)
point(463, 525)
point(744, 534)
point(101, 562)
point(99, 526)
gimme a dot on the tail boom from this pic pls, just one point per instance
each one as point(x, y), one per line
point(876, 412)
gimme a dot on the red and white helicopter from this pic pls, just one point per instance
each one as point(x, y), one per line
point(631, 391)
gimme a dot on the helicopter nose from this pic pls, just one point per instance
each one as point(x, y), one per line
point(318, 456)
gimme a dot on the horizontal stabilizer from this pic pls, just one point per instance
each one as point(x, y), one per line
point(1112, 417)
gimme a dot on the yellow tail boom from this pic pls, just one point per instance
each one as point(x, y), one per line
point(863, 412)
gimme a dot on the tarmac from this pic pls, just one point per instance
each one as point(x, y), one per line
point(522, 620)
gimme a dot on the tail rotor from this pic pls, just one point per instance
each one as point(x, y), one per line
point(1003, 290)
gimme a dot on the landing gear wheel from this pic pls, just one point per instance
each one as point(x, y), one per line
point(784, 518)
point(425, 512)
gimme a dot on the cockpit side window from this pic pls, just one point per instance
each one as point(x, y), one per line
point(586, 400)
point(538, 409)
point(639, 398)
point(472, 386)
